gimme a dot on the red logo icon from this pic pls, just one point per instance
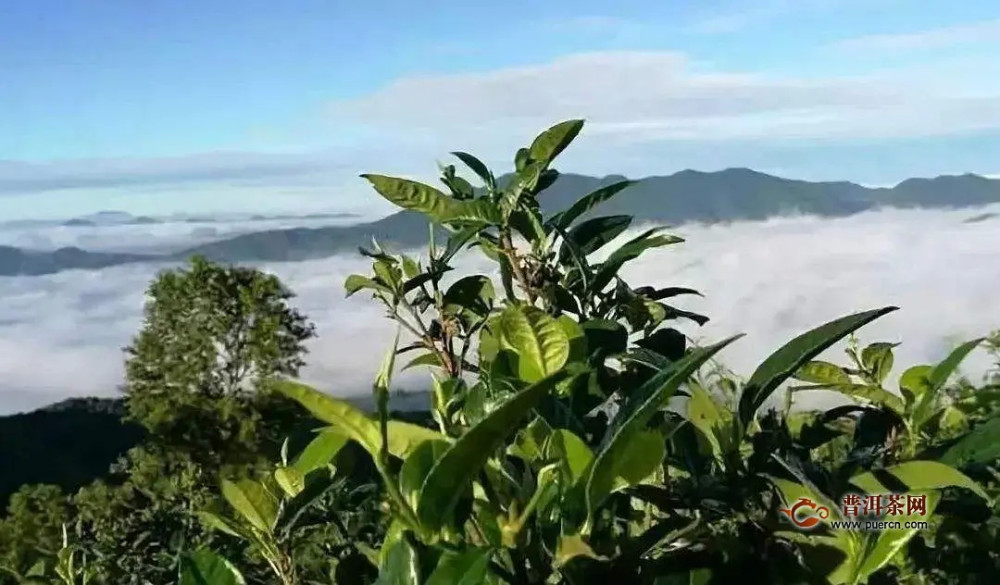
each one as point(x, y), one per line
point(806, 513)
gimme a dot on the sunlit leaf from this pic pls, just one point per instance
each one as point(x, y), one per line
point(401, 565)
point(356, 282)
point(820, 372)
point(572, 452)
point(541, 345)
point(416, 196)
point(639, 458)
point(354, 424)
point(290, 480)
point(320, 451)
point(254, 503)
point(205, 567)
point(919, 476)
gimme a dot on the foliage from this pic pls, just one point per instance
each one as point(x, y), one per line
point(68, 444)
point(213, 337)
point(557, 456)
point(576, 434)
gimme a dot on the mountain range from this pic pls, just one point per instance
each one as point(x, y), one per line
point(687, 196)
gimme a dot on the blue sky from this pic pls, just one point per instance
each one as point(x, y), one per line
point(158, 107)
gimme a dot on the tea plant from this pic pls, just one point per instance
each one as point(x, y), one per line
point(560, 453)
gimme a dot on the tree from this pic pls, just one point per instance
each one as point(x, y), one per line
point(197, 377)
point(213, 339)
point(32, 526)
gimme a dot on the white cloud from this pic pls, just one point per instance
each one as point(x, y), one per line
point(61, 335)
point(645, 97)
point(987, 31)
point(160, 238)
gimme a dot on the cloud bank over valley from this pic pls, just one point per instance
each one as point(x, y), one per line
point(61, 335)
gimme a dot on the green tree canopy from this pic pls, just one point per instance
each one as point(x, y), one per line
point(213, 336)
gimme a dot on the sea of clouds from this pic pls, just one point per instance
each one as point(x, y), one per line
point(61, 335)
point(159, 238)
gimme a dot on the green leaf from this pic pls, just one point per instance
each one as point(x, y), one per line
point(914, 384)
point(527, 222)
point(428, 359)
point(477, 212)
point(464, 568)
point(576, 336)
point(290, 480)
point(878, 358)
point(788, 359)
point(224, 525)
point(888, 544)
point(342, 415)
point(873, 394)
point(253, 502)
point(706, 416)
point(521, 159)
point(411, 267)
point(400, 566)
point(630, 250)
point(477, 166)
point(205, 567)
point(791, 492)
point(354, 424)
point(416, 467)
point(573, 453)
point(566, 218)
point(920, 475)
point(356, 282)
point(980, 445)
point(453, 472)
point(547, 145)
point(540, 343)
point(387, 271)
point(455, 243)
point(416, 196)
point(591, 235)
point(404, 437)
point(820, 372)
point(569, 547)
point(320, 451)
point(411, 195)
point(942, 371)
point(638, 408)
point(640, 457)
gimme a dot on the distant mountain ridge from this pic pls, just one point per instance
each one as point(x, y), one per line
point(686, 196)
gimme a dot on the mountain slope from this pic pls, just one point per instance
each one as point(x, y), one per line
point(686, 196)
point(20, 262)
